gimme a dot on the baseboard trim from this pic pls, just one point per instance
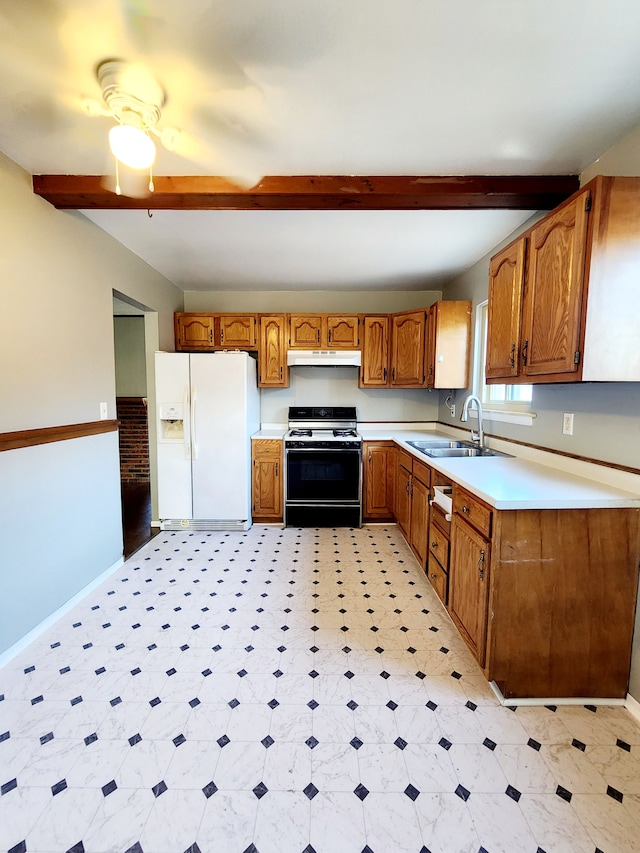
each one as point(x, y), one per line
point(14, 650)
point(550, 700)
point(633, 707)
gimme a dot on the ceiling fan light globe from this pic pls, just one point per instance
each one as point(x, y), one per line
point(132, 146)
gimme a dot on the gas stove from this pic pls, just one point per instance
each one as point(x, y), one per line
point(323, 460)
point(322, 426)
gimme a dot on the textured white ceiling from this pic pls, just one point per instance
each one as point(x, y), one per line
point(358, 87)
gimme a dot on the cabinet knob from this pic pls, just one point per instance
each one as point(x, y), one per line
point(434, 544)
point(512, 359)
point(433, 575)
point(277, 469)
point(465, 510)
point(525, 352)
point(481, 565)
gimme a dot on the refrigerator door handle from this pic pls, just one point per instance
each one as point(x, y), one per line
point(194, 446)
point(186, 425)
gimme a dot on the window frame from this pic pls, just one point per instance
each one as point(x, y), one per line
point(509, 410)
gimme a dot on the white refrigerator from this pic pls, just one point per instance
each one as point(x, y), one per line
point(208, 406)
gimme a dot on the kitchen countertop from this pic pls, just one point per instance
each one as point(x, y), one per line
point(512, 483)
point(502, 482)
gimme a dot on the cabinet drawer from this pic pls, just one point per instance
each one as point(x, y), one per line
point(439, 519)
point(438, 579)
point(439, 545)
point(267, 448)
point(404, 459)
point(473, 510)
point(422, 472)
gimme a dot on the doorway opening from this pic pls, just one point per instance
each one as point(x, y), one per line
point(130, 347)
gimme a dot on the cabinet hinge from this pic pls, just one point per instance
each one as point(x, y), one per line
point(587, 203)
point(576, 357)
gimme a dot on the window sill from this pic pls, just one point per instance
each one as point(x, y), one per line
point(513, 417)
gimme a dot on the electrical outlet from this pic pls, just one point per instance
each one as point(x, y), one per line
point(452, 409)
point(103, 412)
point(567, 424)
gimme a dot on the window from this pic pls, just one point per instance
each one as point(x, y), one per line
point(505, 402)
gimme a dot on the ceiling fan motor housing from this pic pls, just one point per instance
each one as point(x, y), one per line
point(140, 109)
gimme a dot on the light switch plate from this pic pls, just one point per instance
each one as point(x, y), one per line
point(567, 424)
point(103, 412)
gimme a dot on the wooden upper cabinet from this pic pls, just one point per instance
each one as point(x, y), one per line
point(273, 371)
point(408, 349)
point(194, 331)
point(574, 317)
point(374, 372)
point(215, 331)
point(343, 331)
point(553, 290)
point(237, 331)
point(324, 331)
point(506, 282)
point(305, 331)
point(448, 344)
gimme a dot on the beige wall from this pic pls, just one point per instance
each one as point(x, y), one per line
point(355, 301)
point(60, 502)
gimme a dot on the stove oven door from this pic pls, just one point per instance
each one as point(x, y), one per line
point(323, 486)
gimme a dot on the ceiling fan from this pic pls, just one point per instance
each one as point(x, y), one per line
point(134, 99)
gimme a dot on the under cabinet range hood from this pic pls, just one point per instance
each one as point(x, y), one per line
point(323, 358)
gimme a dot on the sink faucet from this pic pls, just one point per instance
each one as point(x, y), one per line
point(464, 417)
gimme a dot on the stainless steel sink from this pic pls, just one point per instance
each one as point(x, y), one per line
point(454, 449)
point(428, 443)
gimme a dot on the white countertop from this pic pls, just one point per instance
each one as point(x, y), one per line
point(270, 433)
point(512, 483)
point(502, 482)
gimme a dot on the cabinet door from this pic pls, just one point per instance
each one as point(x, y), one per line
point(407, 352)
point(378, 461)
point(266, 487)
point(469, 585)
point(430, 346)
point(375, 353)
point(553, 291)
point(237, 331)
point(419, 519)
point(305, 331)
point(449, 347)
point(343, 332)
point(403, 499)
point(194, 331)
point(273, 371)
point(506, 282)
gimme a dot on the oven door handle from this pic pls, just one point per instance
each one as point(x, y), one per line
point(323, 449)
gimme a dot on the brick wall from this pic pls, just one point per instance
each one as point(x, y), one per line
point(134, 438)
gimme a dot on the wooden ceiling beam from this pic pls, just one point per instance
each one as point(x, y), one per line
point(319, 192)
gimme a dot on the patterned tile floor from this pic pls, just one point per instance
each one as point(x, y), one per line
point(283, 691)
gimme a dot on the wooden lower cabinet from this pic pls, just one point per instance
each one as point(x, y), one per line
point(469, 586)
point(413, 482)
point(544, 599)
point(266, 480)
point(378, 480)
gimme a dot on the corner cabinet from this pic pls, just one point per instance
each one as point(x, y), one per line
point(273, 371)
point(430, 348)
point(266, 480)
point(563, 297)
